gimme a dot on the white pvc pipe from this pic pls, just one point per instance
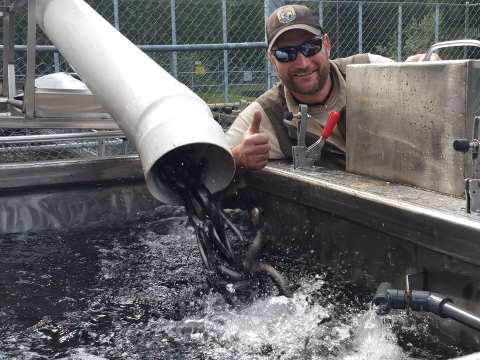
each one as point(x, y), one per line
point(157, 113)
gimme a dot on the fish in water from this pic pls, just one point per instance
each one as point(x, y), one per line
point(207, 217)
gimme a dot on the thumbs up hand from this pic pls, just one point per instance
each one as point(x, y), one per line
point(254, 150)
point(255, 125)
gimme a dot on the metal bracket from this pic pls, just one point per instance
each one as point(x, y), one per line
point(12, 86)
point(303, 156)
point(472, 186)
point(298, 152)
point(476, 148)
point(472, 190)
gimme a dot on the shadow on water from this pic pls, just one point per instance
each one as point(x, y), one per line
point(138, 290)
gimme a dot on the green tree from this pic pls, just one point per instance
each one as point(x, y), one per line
point(420, 35)
point(417, 37)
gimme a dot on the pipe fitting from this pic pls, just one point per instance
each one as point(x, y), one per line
point(436, 302)
point(387, 298)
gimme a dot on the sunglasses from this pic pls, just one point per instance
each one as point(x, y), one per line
point(308, 49)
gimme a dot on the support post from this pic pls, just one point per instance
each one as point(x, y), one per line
point(115, 15)
point(400, 17)
point(29, 93)
point(174, 39)
point(467, 15)
point(225, 52)
point(360, 27)
point(270, 7)
point(8, 51)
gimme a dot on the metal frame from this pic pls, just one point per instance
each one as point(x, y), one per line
point(29, 97)
point(100, 136)
point(20, 122)
point(8, 53)
point(61, 137)
point(472, 186)
point(27, 118)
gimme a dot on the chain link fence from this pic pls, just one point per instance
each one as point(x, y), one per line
point(223, 77)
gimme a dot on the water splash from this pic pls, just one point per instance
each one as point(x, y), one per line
point(137, 290)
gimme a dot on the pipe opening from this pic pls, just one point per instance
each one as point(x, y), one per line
point(212, 165)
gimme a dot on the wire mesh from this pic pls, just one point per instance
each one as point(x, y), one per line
point(58, 149)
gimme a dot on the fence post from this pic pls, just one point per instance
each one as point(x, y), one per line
point(400, 16)
point(320, 12)
point(270, 6)
point(338, 33)
point(8, 52)
point(467, 14)
point(115, 14)
point(29, 95)
point(56, 62)
point(225, 52)
point(360, 27)
point(174, 39)
point(437, 23)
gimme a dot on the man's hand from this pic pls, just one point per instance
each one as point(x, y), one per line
point(254, 150)
point(421, 57)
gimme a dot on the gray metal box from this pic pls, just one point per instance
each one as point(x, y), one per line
point(402, 120)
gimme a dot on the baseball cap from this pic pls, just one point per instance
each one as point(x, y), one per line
point(291, 17)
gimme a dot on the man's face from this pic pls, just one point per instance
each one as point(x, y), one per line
point(304, 75)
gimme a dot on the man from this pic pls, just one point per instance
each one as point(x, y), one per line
point(300, 52)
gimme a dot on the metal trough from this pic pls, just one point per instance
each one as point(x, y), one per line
point(368, 230)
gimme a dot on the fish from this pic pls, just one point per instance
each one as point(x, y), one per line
point(230, 274)
point(209, 221)
point(277, 278)
point(218, 244)
point(253, 265)
point(202, 242)
point(250, 265)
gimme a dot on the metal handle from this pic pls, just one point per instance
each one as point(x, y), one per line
point(452, 43)
point(331, 122)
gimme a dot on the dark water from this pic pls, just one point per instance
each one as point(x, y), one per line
point(138, 290)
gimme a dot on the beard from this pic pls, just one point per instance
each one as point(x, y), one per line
point(299, 88)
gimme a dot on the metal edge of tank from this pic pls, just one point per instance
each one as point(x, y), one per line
point(371, 231)
point(69, 193)
point(432, 220)
point(354, 230)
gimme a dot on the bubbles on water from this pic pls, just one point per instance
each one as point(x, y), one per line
point(271, 326)
point(276, 327)
point(374, 339)
point(138, 290)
